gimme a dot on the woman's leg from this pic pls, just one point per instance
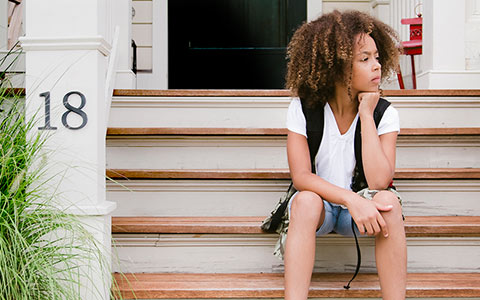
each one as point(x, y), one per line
point(391, 252)
point(306, 215)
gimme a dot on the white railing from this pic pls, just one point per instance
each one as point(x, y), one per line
point(110, 81)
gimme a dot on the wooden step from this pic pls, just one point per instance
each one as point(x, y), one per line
point(420, 173)
point(119, 131)
point(268, 108)
point(271, 285)
point(282, 93)
point(265, 148)
point(430, 226)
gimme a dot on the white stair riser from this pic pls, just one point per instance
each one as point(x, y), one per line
point(253, 253)
point(270, 152)
point(258, 197)
point(270, 112)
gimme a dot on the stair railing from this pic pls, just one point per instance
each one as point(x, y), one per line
point(110, 81)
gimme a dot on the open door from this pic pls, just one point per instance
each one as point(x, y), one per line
point(230, 44)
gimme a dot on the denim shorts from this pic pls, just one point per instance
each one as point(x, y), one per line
point(338, 218)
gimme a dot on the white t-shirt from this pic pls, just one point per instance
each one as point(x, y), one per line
point(335, 160)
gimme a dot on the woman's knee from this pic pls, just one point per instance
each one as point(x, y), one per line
point(387, 198)
point(307, 205)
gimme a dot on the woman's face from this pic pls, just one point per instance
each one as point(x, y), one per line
point(366, 69)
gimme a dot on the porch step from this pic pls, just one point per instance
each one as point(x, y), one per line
point(283, 93)
point(401, 173)
point(463, 226)
point(252, 192)
point(267, 108)
point(206, 148)
point(255, 197)
point(204, 166)
point(259, 286)
point(182, 131)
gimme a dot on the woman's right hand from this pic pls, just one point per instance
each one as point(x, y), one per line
point(366, 214)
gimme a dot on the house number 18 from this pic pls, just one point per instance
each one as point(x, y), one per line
point(70, 109)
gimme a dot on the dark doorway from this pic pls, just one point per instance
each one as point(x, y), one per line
point(230, 44)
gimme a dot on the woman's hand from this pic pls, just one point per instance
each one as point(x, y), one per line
point(366, 214)
point(367, 103)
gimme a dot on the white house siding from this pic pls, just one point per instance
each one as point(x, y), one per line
point(142, 23)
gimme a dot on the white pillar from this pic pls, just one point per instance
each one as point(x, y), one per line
point(121, 15)
point(472, 35)
point(66, 60)
point(444, 59)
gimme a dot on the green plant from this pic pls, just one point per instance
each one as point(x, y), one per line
point(45, 253)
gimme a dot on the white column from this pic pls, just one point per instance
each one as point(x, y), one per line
point(66, 60)
point(444, 47)
point(472, 35)
point(121, 15)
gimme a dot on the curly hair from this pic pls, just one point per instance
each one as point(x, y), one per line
point(321, 51)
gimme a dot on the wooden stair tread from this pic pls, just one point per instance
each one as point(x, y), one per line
point(161, 131)
point(401, 173)
point(266, 285)
point(281, 93)
point(414, 225)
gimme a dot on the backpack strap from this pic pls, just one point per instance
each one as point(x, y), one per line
point(359, 181)
point(315, 123)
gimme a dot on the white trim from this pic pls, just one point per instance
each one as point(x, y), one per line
point(443, 186)
point(172, 185)
point(203, 102)
point(66, 43)
point(222, 240)
point(111, 74)
point(455, 141)
point(450, 72)
point(448, 79)
point(435, 102)
point(380, 2)
point(276, 102)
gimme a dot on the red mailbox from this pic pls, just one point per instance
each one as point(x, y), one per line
point(412, 47)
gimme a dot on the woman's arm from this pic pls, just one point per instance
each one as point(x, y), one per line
point(378, 152)
point(364, 212)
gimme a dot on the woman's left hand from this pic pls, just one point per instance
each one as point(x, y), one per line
point(367, 103)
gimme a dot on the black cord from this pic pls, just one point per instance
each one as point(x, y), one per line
point(359, 256)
